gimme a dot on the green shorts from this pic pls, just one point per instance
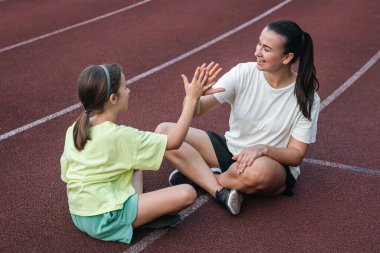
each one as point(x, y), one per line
point(111, 226)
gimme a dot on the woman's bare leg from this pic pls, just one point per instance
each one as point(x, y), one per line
point(266, 176)
point(152, 205)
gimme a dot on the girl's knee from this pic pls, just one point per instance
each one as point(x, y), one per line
point(164, 128)
point(188, 194)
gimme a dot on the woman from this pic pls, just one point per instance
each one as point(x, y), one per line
point(273, 119)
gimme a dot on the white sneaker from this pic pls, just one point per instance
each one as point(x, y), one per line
point(230, 199)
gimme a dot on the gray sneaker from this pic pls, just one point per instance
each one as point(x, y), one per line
point(176, 177)
point(230, 199)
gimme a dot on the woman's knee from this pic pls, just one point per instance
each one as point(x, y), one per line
point(257, 175)
point(164, 128)
point(252, 180)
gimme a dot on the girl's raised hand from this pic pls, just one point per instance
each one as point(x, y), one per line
point(197, 87)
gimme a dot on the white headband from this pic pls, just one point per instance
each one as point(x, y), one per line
point(108, 79)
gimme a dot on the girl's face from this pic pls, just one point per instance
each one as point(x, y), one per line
point(123, 95)
point(269, 51)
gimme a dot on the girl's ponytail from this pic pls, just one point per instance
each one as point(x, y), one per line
point(95, 85)
point(82, 130)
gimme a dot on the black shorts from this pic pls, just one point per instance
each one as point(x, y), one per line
point(224, 157)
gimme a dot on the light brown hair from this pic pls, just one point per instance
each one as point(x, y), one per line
point(92, 93)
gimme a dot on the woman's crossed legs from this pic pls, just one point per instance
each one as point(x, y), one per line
point(196, 155)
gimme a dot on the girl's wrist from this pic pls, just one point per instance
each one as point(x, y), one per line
point(190, 99)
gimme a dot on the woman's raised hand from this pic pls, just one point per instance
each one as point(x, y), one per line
point(213, 72)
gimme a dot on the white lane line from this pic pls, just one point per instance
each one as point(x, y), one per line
point(151, 71)
point(25, 42)
point(350, 81)
point(324, 103)
point(156, 234)
point(38, 122)
point(147, 240)
point(342, 166)
point(211, 42)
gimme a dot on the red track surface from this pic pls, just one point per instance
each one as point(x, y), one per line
point(333, 210)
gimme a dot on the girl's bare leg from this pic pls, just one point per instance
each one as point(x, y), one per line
point(152, 205)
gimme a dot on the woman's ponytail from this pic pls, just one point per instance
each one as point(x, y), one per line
point(306, 82)
point(300, 44)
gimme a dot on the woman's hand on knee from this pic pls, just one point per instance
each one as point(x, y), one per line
point(246, 157)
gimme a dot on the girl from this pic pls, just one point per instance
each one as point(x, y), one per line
point(273, 119)
point(100, 158)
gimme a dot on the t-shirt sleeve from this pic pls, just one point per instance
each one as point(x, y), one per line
point(228, 81)
point(150, 150)
point(306, 130)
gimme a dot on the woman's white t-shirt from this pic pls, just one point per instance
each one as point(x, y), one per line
point(261, 114)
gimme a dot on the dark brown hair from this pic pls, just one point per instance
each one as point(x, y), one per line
point(92, 93)
point(300, 44)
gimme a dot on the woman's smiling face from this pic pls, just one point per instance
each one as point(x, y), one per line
point(269, 51)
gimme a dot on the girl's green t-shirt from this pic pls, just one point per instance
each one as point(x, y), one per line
point(99, 177)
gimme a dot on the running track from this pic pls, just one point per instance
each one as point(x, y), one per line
point(45, 45)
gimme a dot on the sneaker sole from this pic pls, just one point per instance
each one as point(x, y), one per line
point(171, 175)
point(216, 171)
point(234, 202)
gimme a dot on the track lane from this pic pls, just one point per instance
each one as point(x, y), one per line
point(356, 134)
point(327, 214)
point(137, 45)
point(155, 100)
point(37, 151)
point(23, 20)
point(329, 87)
